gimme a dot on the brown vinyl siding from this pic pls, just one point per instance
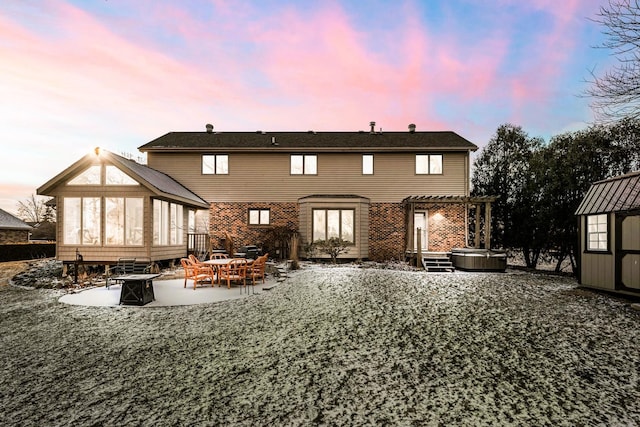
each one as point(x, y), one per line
point(630, 263)
point(360, 207)
point(598, 268)
point(265, 177)
point(111, 253)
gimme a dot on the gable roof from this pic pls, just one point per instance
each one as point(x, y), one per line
point(316, 141)
point(621, 193)
point(158, 182)
point(10, 222)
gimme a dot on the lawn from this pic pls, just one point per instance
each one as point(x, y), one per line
point(330, 346)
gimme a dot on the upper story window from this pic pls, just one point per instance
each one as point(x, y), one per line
point(367, 164)
point(259, 216)
point(597, 233)
point(215, 164)
point(428, 164)
point(90, 176)
point(306, 164)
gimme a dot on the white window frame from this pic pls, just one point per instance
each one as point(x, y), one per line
point(367, 164)
point(429, 164)
point(168, 223)
point(115, 176)
point(217, 164)
point(597, 238)
point(83, 228)
point(259, 216)
point(90, 176)
point(323, 214)
point(127, 229)
point(304, 164)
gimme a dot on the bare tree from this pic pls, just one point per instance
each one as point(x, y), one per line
point(616, 93)
point(35, 210)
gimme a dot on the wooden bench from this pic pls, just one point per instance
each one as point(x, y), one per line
point(126, 267)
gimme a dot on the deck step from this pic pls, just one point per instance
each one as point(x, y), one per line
point(437, 262)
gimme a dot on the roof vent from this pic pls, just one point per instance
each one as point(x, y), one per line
point(412, 128)
point(209, 128)
point(273, 141)
point(373, 127)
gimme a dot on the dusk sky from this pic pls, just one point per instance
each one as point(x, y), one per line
point(118, 73)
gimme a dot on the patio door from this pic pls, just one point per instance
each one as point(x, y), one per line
point(420, 222)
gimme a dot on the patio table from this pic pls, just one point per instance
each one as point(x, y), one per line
point(216, 263)
point(137, 289)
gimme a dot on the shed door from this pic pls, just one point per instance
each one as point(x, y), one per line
point(420, 222)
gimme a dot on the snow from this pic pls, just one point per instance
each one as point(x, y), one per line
point(330, 346)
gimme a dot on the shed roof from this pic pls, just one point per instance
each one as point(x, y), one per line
point(621, 193)
point(310, 140)
point(10, 222)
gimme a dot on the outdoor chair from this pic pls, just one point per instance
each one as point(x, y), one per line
point(234, 271)
point(256, 269)
point(199, 275)
point(208, 269)
point(126, 266)
point(218, 256)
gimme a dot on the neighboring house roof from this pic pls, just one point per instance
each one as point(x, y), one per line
point(10, 222)
point(621, 193)
point(159, 183)
point(303, 141)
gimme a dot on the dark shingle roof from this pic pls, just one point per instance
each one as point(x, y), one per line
point(10, 222)
point(319, 141)
point(161, 181)
point(621, 193)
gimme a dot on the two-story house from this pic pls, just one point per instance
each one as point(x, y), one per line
point(373, 189)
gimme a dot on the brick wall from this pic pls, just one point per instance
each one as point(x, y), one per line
point(233, 218)
point(386, 226)
point(14, 236)
point(386, 231)
point(446, 226)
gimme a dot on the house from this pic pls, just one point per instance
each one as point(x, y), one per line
point(609, 235)
point(375, 190)
point(13, 229)
point(110, 207)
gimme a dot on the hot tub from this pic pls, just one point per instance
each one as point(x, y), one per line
point(471, 259)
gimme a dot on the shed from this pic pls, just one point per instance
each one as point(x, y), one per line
point(609, 235)
point(13, 229)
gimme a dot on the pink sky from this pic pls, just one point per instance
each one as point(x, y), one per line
point(75, 75)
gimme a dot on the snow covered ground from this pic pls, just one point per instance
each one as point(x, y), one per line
point(329, 346)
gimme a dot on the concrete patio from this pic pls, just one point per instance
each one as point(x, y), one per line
point(168, 292)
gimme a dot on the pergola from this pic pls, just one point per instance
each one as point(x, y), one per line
point(476, 203)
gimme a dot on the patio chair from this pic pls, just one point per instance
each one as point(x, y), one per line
point(256, 269)
point(198, 274)
point(218, 255)
point(234, 271)
point(202, 266)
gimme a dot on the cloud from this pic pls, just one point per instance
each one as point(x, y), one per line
point(118, 76)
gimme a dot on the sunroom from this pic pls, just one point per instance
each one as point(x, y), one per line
point(110, 207)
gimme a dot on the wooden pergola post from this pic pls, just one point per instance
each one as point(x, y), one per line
point(487, 225)
point(419, 248)
point(477, 236)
